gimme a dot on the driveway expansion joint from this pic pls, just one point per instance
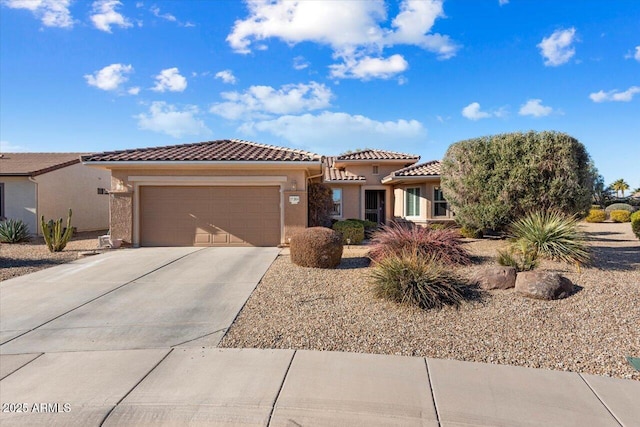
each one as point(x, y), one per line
point(600, 400)
point(433, 396)
point(284, 379)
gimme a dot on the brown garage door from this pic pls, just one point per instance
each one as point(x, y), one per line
point(209, 216)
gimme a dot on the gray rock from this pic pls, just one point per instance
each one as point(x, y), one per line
point(543, 285)
point(496, 277)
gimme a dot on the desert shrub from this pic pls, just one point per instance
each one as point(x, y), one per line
point(635, 223)
point(14, 231)
point(317, 247)
point(352, 232)
point(320, 205)
point(415, 279)
point(620, 216)
point(553, 234)
point(620, 207)
point(471, 232)
point(494, 180)
point(521, 255)
point(369, 226)
point(443, 245)
point(596, 215)
point(437, 226)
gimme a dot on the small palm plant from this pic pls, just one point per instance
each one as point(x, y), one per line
point(553, 235)
point(620, 185)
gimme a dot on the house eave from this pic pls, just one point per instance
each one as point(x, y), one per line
point(264, 164)
point(402, 179)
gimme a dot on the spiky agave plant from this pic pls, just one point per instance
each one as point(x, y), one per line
point(14, 231)
point(554, 235)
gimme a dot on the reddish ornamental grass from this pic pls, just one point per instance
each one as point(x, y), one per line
point(443, 245)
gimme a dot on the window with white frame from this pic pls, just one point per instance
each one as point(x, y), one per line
point(337, 202)
point(439, 203)
point(412, 201)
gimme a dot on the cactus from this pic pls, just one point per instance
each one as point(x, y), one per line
point(55, 238)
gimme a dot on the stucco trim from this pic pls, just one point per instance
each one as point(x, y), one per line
point(139, 181)
point(400, 179)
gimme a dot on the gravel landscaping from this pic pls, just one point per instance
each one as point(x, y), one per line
point(591, 331)
point(22, 258)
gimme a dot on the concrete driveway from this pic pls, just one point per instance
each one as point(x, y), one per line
point(130, 299)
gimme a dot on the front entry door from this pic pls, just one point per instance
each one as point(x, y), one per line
point(374, 206)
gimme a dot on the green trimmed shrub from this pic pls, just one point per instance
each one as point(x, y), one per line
point(492, 181)
point(444, 246)
point(554, 235)
point(14, 231)
point(620, 216)
point(596, 215)
point(352, 232)
point(635, 223)
point(619, 207)
point(317, 247)
point(414, 279)
point(369, 226)
point(471, 232)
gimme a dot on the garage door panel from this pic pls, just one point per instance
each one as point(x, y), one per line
point(209, 216)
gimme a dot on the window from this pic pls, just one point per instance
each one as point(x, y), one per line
point(337, 202)
point(412, 202)
point(375, 170)
point(439, 203)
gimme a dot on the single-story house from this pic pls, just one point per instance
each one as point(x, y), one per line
point(234, 192)
point(35, 184)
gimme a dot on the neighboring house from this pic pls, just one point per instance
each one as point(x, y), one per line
point(234, 192)
point(35, 184)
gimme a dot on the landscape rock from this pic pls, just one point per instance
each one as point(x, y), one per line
point(543, 285)
point(495, 277)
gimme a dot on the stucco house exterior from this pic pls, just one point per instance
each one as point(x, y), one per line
point(235, 192)
point(35, 184)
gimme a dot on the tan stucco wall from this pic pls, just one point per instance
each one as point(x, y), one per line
point(350, 201)
point(20, 200)
point(75, 187)
point(123, 200)
point(366, 170)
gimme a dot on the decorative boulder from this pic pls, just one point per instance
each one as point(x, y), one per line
point(496, 277)
point(317, 247)
point(543, 285)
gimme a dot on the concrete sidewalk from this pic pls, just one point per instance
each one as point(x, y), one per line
point(213, 386)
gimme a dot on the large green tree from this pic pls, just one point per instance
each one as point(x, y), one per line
point(491, 181)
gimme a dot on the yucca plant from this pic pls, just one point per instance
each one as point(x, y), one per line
point(414, 279)
point(553, 235)
point(443, 245)
point(55, 236)
point(14, 231)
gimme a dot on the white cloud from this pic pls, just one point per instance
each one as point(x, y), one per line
point(105, 15)
point(636, 55)
point(615, 95)
point(366, 68)
point(473, 112)
point(170, 80)
point(557, 49)
point(7, 147)
point(166, 16)
point(52, 13)
point(299, 63)
point(110, 77)
point(328, 131)
point(503, 2)
point(133, 90)
point(262, 101)
point(353, 29)
point(226, 76)
point(534, 107)
point(166, 118)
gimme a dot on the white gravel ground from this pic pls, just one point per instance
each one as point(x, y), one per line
point(591, 331)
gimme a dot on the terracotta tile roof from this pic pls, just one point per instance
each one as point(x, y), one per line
point(221, 150)
point(32, 164)
point(334, 174)
point(377, 155)
point(431, 168)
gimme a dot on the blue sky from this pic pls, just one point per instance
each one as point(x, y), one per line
point(411, 76)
